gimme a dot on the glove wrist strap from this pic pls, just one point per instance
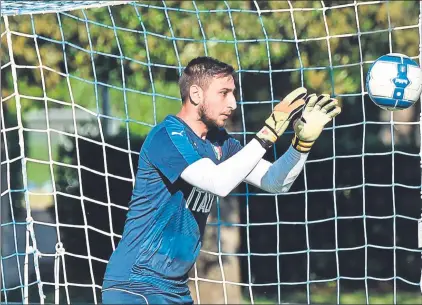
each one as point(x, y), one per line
point(266, 144)
point(302, 146)
point(266, 137)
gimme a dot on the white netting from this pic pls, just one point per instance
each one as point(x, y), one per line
point(84, 81)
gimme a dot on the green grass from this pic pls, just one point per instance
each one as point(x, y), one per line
point(358, 297)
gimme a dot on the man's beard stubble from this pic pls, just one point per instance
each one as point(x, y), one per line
point(210, 123)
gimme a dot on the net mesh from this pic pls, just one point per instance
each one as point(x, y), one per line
point(83, 82)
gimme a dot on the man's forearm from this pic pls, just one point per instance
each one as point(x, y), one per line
point(223, 178)
point(279, 176)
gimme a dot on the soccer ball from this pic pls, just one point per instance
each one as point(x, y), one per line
point(394, 82)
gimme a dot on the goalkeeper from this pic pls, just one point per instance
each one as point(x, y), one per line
point(185, 163)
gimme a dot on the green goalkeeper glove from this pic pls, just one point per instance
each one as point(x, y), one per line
point(280, 118)
point(317, 112)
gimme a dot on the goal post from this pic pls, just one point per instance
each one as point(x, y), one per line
point(82, 84)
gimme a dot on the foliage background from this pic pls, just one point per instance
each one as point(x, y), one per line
point(138, 70)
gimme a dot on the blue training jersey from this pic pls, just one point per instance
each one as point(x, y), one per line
point(167, 216)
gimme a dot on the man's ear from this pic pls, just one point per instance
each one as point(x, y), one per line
point(196, 94)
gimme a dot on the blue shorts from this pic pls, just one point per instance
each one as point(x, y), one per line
point(122, 296)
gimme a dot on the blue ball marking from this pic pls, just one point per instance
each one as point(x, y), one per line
point(401, 81)
point(391, 102)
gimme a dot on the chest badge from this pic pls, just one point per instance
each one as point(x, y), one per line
point(218, 151)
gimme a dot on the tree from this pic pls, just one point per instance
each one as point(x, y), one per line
point(330, 47)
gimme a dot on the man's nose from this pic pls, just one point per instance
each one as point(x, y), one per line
point(233, 104)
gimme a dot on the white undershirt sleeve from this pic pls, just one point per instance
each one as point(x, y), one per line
point(223, 178)
point(279, 176)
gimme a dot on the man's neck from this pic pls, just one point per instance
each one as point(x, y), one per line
point(194, 122)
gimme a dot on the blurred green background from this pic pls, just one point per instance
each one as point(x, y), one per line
point(112, 72)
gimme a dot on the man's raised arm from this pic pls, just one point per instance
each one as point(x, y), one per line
point(279, 176)
point(223, 178)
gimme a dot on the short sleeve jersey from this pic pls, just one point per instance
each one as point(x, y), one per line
point(167, 216)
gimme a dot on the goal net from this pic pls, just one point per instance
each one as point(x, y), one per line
point(82, 84)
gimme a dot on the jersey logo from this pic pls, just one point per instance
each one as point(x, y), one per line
point(180, 133)
point(218, 151)
point(200, 201)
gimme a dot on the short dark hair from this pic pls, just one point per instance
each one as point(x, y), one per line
point(200, 71)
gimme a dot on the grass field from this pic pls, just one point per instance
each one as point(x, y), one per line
point(357, 297)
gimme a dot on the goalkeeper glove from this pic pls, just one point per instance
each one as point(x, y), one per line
point(280, 118)
point(318, 111)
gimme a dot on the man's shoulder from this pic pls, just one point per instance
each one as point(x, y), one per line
point(161, 132)
point(161, 127)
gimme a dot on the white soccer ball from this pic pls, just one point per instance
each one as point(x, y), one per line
point(394, 82)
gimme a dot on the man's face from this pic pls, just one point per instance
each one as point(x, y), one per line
point(219, 101)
